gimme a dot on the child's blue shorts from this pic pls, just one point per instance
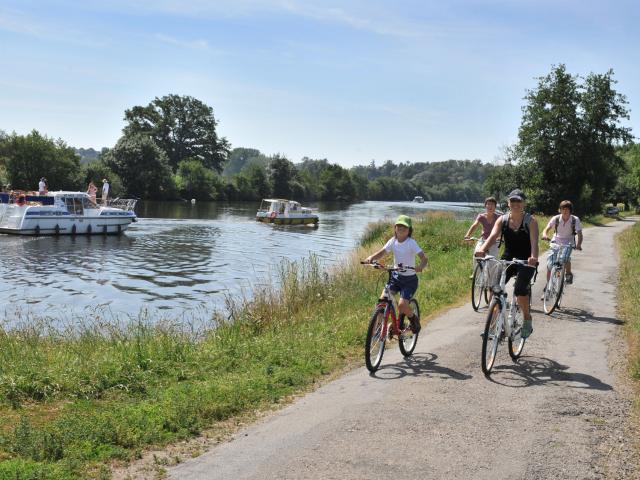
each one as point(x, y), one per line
point(405, 284)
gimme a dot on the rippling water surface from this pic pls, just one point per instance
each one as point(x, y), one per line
point(178, 258)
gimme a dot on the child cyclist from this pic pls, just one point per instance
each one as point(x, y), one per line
point(404, 250)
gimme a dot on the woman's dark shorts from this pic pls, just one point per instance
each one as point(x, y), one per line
point(523, 278)
point(405, 284)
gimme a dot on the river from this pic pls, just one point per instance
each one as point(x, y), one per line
point(178, 260)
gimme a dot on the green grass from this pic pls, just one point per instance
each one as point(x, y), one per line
point(72, 401)
point(629, 293)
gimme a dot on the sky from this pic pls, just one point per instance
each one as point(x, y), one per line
point(350, 81)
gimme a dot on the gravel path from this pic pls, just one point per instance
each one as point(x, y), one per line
point(560, 412)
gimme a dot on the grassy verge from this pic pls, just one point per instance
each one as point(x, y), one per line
point(629, 293)
point(71, 401)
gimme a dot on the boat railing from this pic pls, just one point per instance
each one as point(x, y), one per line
point(126, 204)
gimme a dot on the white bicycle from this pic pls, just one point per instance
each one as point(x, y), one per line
point(504, 320)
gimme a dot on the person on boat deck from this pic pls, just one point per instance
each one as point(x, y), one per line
point(105, 191)
point(92, 190)
point(42, 186)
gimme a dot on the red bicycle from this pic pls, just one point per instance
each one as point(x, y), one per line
point(385, 324)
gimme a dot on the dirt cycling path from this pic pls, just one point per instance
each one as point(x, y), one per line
point(559, 413)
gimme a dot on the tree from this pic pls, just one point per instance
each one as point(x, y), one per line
point(183, 127)
point(27, 158)
point(194, 180)
point(281, 172)
point(241, 158)
point(142, 166)
point(567, 139)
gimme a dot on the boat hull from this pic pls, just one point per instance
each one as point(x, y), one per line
point(289, 220)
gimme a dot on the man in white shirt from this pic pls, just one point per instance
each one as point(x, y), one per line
point(105, 191)
point(42, 186)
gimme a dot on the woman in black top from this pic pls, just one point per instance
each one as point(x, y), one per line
point(521, 242)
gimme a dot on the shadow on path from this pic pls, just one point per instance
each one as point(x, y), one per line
point(418, 365)
point(533, 371)
point(582, 316)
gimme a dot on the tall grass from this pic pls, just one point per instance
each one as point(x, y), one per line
point(629, 292)
point(73, 399)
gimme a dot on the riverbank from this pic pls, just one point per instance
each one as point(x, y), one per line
point(74, 400)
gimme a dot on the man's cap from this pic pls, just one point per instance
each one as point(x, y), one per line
point(517, 194)
point(403, 220)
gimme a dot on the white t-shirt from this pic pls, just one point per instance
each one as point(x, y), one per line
point(564, 233)
point(404, 253)
point(41, 186)
point(105, 189)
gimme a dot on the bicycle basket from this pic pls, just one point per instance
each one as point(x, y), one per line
point(560, 254)
point(493, 269)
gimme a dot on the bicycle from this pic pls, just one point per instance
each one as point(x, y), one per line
point(479, 286)
point(384, 324)
point(553, 290)
point(499, 324)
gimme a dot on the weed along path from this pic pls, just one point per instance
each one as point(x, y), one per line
point(560, 412)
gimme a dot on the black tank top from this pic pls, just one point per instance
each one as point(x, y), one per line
point(517, 243)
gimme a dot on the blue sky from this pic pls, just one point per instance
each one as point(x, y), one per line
point(349, 81)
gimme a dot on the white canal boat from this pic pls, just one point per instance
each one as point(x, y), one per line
point(285, 212)
point(63, 213)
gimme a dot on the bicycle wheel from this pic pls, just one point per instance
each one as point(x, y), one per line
point(554, 290)
point(408, 339)
point(516, 342)
point(491, 336)
point(375, 342)
point(476, 286)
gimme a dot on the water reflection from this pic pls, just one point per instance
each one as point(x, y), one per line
point(179, 257)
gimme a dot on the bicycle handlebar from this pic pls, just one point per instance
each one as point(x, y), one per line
point(381, 266)
point(551, 241)
point(515, 261)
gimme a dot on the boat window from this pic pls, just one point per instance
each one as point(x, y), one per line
point(87, 203)
point(68, 201)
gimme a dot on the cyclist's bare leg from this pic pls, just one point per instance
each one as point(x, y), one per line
point(568, 268)
point(523, 303)
point(404, 307)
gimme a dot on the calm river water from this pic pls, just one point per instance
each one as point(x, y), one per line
point(178, 259)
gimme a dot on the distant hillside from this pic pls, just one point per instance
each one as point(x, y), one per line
point(87, 154)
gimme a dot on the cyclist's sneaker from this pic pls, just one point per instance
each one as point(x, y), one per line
point(544, 292)
point(415, 324)
point(569, 278)
point(527, 328)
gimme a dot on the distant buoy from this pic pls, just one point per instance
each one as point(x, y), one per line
point(193, 201)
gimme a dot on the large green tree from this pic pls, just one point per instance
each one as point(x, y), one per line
point(281, 172)
point(194, 180)
point(567, 139)
point(27, 158)
point(142, 166)
point(183, 127)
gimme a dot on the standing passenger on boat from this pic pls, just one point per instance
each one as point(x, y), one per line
point(105, 191)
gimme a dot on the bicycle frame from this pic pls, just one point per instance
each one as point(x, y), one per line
point(501, 295)
point(390, 308)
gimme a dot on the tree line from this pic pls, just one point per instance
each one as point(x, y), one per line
point(572, 144)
